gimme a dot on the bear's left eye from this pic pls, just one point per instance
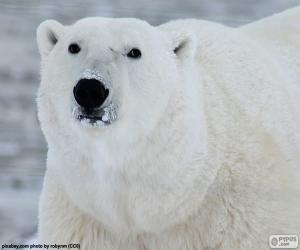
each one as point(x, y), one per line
point(134, 53)
point(74, 48)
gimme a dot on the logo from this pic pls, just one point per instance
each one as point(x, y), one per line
point(278, 241)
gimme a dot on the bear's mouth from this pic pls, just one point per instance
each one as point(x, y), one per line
point(92, 99)
point(100, 117)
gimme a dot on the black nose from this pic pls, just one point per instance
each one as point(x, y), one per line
point(90, 93)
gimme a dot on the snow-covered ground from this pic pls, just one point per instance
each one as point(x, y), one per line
point(22, 147)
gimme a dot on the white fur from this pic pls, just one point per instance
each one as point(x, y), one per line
point(205, 153)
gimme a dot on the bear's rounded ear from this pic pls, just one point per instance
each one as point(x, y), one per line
point(48, 33)
point(184, 45)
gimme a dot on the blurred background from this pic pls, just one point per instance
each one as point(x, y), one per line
point(22, 146)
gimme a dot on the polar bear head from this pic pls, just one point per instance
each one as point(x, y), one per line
point(106, 86)
point(107, 77)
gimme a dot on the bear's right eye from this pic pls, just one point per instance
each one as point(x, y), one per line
point(134, 53)
point(74, 48)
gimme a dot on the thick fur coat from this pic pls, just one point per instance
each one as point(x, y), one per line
point(205, 153)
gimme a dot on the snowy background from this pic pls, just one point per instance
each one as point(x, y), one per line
point(22, 146)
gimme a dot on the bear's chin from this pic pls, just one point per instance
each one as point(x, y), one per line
point(98, 118)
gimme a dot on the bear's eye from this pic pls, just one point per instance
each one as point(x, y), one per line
point(74, 48)
point(134, 53)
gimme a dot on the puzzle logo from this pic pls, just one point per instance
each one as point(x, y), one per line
point(283, 241)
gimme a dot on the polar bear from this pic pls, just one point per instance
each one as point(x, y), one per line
point(181, 136)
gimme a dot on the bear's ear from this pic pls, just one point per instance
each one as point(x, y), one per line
point(184, 45)
point(48, 33)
